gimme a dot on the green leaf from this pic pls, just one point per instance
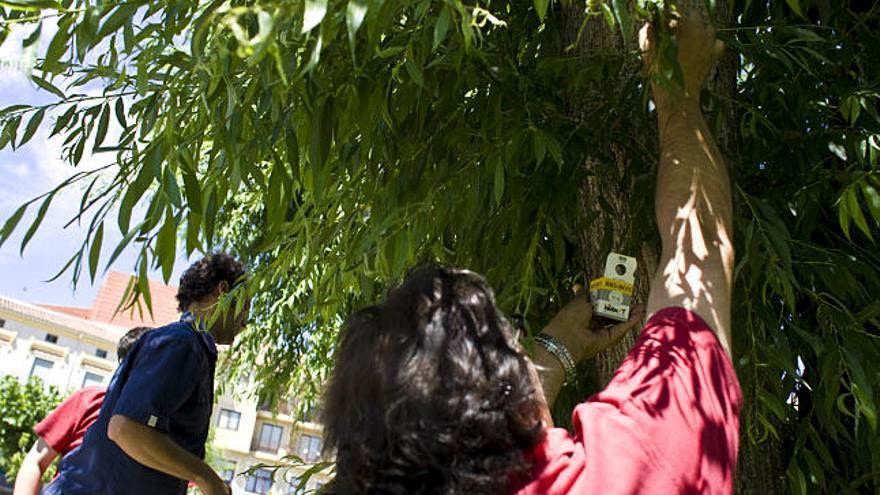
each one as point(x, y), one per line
point(275, 210)
point(172, 189)
point(193, 223)
point(120, 113)
point(354, 17)
point(441, 27)
point(30, 4)
point(795, 6)
point(314, 13)
point(33, 37)
point(120, 247)
point(41, 214)
point(389, 52)
point(855, 211)
point(132, 195)
point(143, 283)
point(415, 72)
point(624, 20)
point(321, 137)
point(13, 108)
point(122, 15)
point(9, 131)
point(608, 15)
point(555, 149)
point(540, 146)
point(843, 216)
point(862, 387)
point(11, 223)
point(838, 150)
point(166, 245)
point(32, 126)
point(46, 85)
point(58, 45)
point(872, 199)
point(62, 121)
point(541, 8)
point(78, 151)
point(103, 123)
point(797, 484)
point(498, 184)
point(191, 189)
point(95, 251)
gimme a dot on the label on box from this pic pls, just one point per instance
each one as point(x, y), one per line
point(611, 295)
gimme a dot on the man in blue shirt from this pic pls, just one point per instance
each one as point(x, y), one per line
point(150, 436)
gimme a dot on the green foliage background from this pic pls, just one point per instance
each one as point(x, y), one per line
point(334, 143)
point(21, 408)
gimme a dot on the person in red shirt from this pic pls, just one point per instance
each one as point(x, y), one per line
point(432, 394)
point(63, 429)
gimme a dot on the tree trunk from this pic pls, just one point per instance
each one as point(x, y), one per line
point(608, 228)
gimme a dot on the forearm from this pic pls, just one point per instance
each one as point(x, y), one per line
point(27, 482)
point(694, 214)
point(550, 372)
point(35, 463)
point(156, 450)
point(693, 178)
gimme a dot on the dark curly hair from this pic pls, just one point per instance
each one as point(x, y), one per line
point(202, 278)
point(430, 394)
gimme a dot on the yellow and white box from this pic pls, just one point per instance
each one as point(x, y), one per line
point(611, 295)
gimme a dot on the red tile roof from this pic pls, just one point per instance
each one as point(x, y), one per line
point(78, 312)
point(111, 292)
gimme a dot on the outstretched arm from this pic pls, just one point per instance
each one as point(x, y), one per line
point(693, 198)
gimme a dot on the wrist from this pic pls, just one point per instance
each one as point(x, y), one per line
point(568, 337)
point(560, 353)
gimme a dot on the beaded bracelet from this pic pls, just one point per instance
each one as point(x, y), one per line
point(559, 351)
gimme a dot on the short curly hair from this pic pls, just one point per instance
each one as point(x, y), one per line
point(202, 278)
point(430, 394)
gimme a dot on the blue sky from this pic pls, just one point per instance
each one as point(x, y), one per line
point(30, 171)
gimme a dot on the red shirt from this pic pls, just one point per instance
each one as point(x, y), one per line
point(667, 423)
point(63, 429)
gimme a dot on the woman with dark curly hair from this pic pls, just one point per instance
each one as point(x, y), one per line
point(432, 394)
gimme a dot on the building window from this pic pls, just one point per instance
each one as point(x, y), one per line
point(309, 414)
point(259, 481)
point(296, 487)
point(92, 379)
point(228, 419)
point(270, 438)
point(228, 471)
point(309, 447)
point(42, 368)
point(52, 339)
point(101, 353)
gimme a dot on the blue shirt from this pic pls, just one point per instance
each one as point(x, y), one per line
point(165, 382)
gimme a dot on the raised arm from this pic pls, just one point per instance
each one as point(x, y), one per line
point(693, 198)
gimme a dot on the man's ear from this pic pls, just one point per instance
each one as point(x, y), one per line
point(222, 288)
